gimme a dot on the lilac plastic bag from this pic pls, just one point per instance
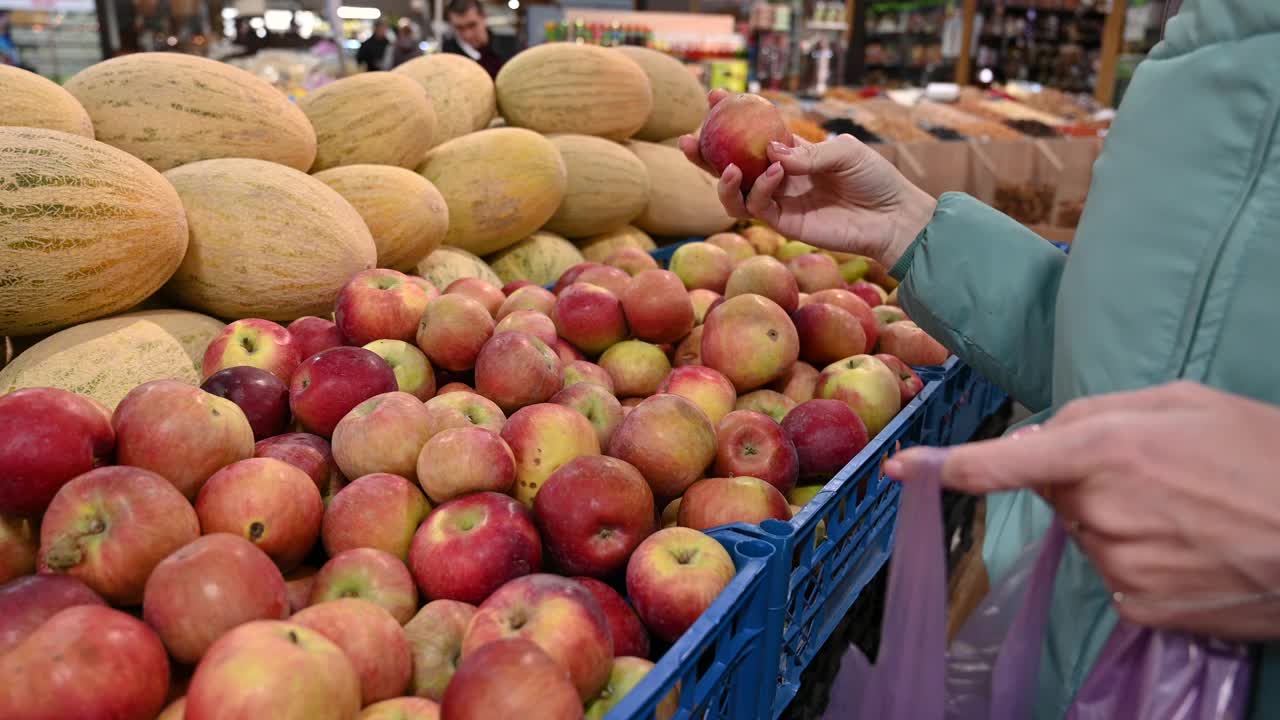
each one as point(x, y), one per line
point(991, 669)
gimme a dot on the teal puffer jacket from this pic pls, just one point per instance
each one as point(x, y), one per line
point(1173, 274)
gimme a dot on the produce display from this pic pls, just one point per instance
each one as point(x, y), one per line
point(384, 476)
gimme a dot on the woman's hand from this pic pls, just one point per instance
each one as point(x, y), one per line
point(1172, 492)
point(840, 195)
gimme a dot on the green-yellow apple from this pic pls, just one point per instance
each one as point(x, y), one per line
point(702, 265)
point(888, 314)
point(627, 672)
point(709, 389)
point(738, 247)
point(414, 374)
point(855, 269)
point(645, 440)
point(702, 300)
point(544, 437)
point(584, 371)
point(671, 514)
point(435, 637)
point(792, 249)
point(674, 576)
point(751, 340)
point(597, 405)
point(254, 342)
point(463, 408)
point(764, 275)
point(801, 495)
point(636, 367)
point(770, 402)
point(866, 385)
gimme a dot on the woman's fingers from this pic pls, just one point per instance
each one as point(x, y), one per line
point(842, 153)
point(760, 202)
point(730, 191)
point(716, 96)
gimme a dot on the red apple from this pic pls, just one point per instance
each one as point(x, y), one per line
point(463, 408)
point(908, 342)
point(371, 639)
point(312, 334)
point(798, 383)
point(402, 708)
point(566, 352)
point(636, 367)
point(328, 384)
point(180, 432)
point(507, 679)
point(464, 460)
point(379, 510)
point(767, 277)
point(111, 526)
point(435, 638)
point(570, 276)
point(582, 371)
point(702, 301)
point(452, 330)
point(827, 435)
point(208, 587)
point(274, 669)
point(544, 437)
point(261, 396)
point(828, 333)
point(515, 370)
point(309, 453)
point(597, 404)
point(754, 444)
point(709, 389)
point(471, 546)
point(379, 304)
point(628, 633)
point(674, 576)
point(26, 603)
point(87, 662)
point(738, 247)
point(815, 272)
point(701, 265)
point(769, 402)
point(689, 352)
point(714, 502)
point(609, 278)
point(256, 343)
point(592, 513)
point(626, 674)
point(856, 307)
point(631, 260)
point(644, 440)
point(18, 548)
point(47, 437)
point(751, 340)
point(269, 502)
point(489, 296)
point(909, 383)
point(590, 318)
point(738, 131)
point(510, 288)
point(299, 583)
point(529, 297)
point(657, 307)
point(368, 574)
point(455, 387)
point(872, 294)
point(414, 374)
point(865, 384)
point(888, 314)
point(383, 434)
point(531, 322)
point(556, 613)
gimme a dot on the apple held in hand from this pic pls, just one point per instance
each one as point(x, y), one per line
point(329, 384)
point(261, 396)
point(435, 639)
point(714, 502)
point(452, 330)
point(907, 341)
point(557, 614)
point(379, 510)
point(208, 587)
point(371, 575)
point(827, 434)
point(371, 639)
point(753, 444)
point(110, 527)
point(379, 304)
point(312, 334)
point(867, 386)
point(643, 440)
point(414, 374)
point(738, 131)
point(47, 437)
point(268, 502)
point(296, 673)
point(383, 434)
point(26, 603)
point(674, 576)
point(471, 546)
point(628, 633)
point(764, 276)
point(510, 678)
point(593, 512)
point(751, 340)
point(256, 343)
point(87, 662)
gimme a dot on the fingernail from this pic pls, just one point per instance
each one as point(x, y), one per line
point(918, 463)
point(779, 149)
point(774, 170)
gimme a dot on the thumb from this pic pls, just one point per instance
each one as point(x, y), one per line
point(841, 153)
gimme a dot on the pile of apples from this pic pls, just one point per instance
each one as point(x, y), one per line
point(536, 466)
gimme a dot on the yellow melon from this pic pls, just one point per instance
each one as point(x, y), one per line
point(377, 118)
point(600, 247)
point(460, 91)
point(85, 230)
point(172, 109)
point(540, 258)
point(570, 88)
point(267, 241)
point(405, 213)
point(679, 102)
point(608, 186)
point(501, 185)
point(683, 201)
point(33, 101)
point(107, 358)
point(447, 264)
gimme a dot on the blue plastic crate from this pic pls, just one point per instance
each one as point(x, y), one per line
point(723, 664)
point(966, 400)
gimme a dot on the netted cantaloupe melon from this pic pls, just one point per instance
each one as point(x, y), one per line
point(447, 264)
point(460, 92)
point(405, 213)
point(501, 185)
point(679, 102)
point(570, 88)
point(33, 101)
point(377, 118)
point(107, 358)
point(85, 230)
point(599, 247)
point(267, 241)
point(683, 201)
point(608, 186)
point(540, 258)
point(172, 109)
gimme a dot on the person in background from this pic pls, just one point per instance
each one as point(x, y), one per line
point(407, 45)
point(471, 36)
point(8, 51)
point(373, 51)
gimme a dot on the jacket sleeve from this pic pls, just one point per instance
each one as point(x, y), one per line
point(986, 287)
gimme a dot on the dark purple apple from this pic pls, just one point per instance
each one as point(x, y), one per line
point(263, 397)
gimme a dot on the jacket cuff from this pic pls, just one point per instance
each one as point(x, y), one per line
point(903, 266)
